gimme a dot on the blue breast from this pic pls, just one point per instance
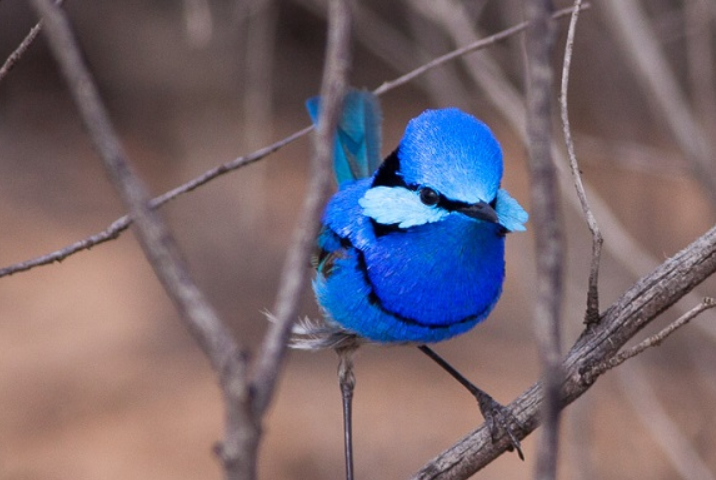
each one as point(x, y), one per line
point(423, 285)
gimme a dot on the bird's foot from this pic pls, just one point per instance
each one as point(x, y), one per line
point(500, 418)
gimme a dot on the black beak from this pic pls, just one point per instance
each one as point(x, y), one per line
point(480, 211)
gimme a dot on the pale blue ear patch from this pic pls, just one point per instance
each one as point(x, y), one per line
point(399, 206)
point(510, 213)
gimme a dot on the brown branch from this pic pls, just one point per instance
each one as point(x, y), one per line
point(546, 225)
point(17, 54)
point(227, 360)
point(120, 225)
point(638, 306)
point(462, 51)
point(294, 275)
point(652, 341)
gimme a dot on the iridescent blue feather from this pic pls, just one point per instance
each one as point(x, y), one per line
point(357, 147)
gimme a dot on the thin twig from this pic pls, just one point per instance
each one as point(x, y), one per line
point(227, 359)
point(294, 274)
point(547, 228)
point(652, 341)
point(592, 313)
point(478, 45)
point(17, 54)
point(121, 224)
point(118, 226)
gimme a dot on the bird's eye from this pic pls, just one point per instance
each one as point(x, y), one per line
point(429, 196)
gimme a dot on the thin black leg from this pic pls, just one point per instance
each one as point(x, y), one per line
point(347, 381)
point(496, 415)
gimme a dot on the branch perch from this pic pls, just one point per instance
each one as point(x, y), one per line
point(638, 306)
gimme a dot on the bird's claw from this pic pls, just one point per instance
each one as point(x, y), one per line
point(500, 418)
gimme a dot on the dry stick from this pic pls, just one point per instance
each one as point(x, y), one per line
point(652, 341)
point(478, 45)
point(121, 224)
point(333, 88)
point(592, 313)
point(226, 358)
point(638, 306)
point(17, 54)
point(547, 228)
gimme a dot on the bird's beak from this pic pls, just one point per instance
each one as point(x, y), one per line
point(480, 211)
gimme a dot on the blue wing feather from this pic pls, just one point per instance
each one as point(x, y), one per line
point(357, 144)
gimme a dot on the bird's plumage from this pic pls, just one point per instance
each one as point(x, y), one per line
point(413, 251)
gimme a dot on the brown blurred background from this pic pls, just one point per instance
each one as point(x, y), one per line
point(99, 379)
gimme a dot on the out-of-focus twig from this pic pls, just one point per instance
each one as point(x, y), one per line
point(477, 45)
point(640, 44)
point(699, 57)
point(333, 88)
point(592, 312)
point(258, 25)
point(664, 431)
point(17, 54)
point(445, 83)
point(227, 358)
point(547, 228)
point(198, 22)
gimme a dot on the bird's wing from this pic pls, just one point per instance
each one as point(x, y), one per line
point(357, 147)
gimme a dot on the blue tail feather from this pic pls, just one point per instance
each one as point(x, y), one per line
point(357, 144)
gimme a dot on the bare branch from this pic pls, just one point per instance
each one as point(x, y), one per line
point(477, 45)
point(652, 341)
point(592, 313)
point(547, 228)
point(158, 245)
point(121, 224)
point(637, 307)
point(17, 54)
point(295, 272)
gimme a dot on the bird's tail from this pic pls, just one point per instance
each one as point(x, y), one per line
point(315, 335)
point(357, 144)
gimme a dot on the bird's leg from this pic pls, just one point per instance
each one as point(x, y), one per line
point(347, 381)
point(497, 416)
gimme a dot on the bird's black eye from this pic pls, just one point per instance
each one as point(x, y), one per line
point(429, 196)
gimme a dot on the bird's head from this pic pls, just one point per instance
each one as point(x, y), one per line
point(448, 162)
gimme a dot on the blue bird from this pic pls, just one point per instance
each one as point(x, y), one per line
point(412, 249)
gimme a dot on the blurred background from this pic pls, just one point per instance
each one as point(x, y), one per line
point(98, 377)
